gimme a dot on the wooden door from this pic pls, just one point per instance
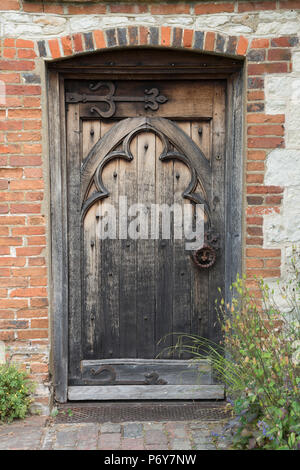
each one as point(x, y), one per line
point(142, 143)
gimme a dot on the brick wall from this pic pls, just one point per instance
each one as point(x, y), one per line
point(32, 32)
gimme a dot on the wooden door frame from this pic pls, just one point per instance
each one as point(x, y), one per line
point(58, 197)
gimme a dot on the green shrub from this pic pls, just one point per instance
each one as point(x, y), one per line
point(15, 390)
point(259, 362)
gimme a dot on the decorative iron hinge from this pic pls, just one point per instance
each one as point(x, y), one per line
point(151, 98)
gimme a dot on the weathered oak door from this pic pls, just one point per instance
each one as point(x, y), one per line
point(133, 144)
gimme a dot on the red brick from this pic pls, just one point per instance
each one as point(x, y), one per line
point(36, 262)
point(22, 65)
point(9, 5)
point(255, 95)
point(257, 231)
point(66, 43)
point(24, 113)
point(24, 43)
point(172, 9)
point(41, 302)
point(284, 41)
point(259, 69)
point(273, 263)
point(13, 303)
point(254, 263)
point(264, 189)
point(29, 250)
point(255, 166)
point(33, 160)
point(207, 8)
point(290, 4)
point(273, 199)
point(242, 46)
point(209, 44)
point(266, 130)
point(13, 282)
point(10, 77)
point(25, 208)
point(260, 43)
point(11, 173)
point(34, 196)
point(9, 42)
point(254, 241)
point(87, 9)
point(27, 184)
point(77, 41)
point(266, 118)
point(32, 125)
point(26, 54)
point(6, 335)
point(9, 220)
point(123, 8)
point(165, 35)
point(33, 7)
point(262, 253)
point(249, 220)
point(29, 292)
point(279, 54)
point(28, 272)
point(254, 6)
point(32, 334)
point(57, 9)
point(9, 53)
point(99, 39)
point(143, 35)
point(188, 37)
point(39, 281)
point(54, 48)
point(266, 142)
point(255, 178)
point(37, 240)
point(32, 313)
point(263, 273)
point(38, 368)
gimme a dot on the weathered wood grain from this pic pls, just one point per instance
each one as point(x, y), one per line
point(147, 392)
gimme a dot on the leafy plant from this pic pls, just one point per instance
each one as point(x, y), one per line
point(15, 390)
point(259, 361)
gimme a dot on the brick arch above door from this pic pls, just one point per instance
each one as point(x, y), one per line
point(163, 36)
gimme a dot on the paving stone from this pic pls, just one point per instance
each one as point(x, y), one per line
point(180, 444)
point(131, 430)
point(156, 447)
point(153, 426)
point(155, 437)
point(110, 428)
point(109, 441)
point(132, 444)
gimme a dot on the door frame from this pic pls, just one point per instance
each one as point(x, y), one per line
point(234, 196)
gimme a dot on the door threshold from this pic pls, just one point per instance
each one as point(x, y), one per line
point(145, 392)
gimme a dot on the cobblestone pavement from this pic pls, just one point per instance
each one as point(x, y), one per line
point(37, 433)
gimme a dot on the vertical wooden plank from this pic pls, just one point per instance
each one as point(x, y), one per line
point(164, 188)
point(107, 328)
point(74, 235)
point(200, 278)
point(58, 211)
point(90, 135)
point(128, 183)
point(146, 249)
point(181, 258)
point(216, 272)
point(201, 135)
point(90, 272)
